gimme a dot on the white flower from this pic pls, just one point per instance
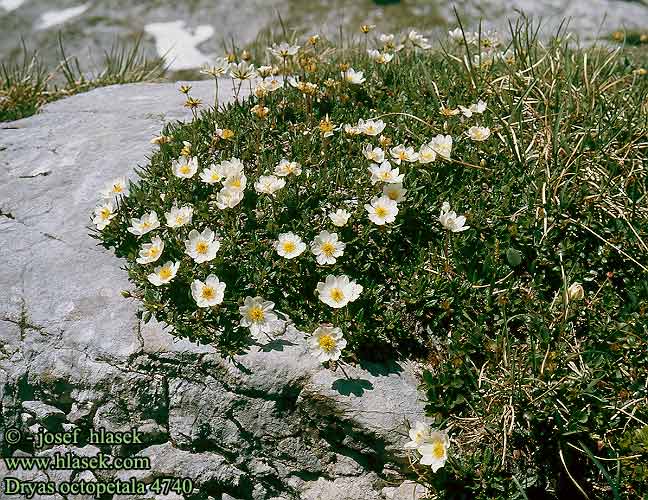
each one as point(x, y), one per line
point(450, 220)
point(220, 67)
point(235, 182)
point(265, 71)
point(115, 188)
point(163, 274)
point(576, 292)
point(388, 41)
point(212, 175)
point(148, 222)
point(150, 252)
point(385, 173)
point(269, 184)
point(479, 107)
point(479, 133)
point(376, 155)
point(208, 294)
point(104, 213)
point(230, 168)
point(401, 153)
point(228, 198)
point(177, 217)
point(272, 84)
point(418, 434)
point(434, 451)
point(257, 315)
point(340, 217)
point(338, 291)
point(426, 154)
point(327, 248)
point(380, 57)
point(418, 40)
point(456, 35)
point(286, 167)
point(283, 49)
point(242, 71)
point(184, 167)
point(289, 245)
point(371, 127)
point(202, 247)
point(395, 192)
point(353, 76)
point(382, 210)
point(352, 129)
point(442, 145)
point(327, 343)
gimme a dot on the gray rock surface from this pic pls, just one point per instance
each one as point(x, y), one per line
point(271, 424)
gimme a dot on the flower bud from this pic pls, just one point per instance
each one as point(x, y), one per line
point(576, 291)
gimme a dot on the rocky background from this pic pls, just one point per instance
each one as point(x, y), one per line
point(270, 424)
point(193, 31)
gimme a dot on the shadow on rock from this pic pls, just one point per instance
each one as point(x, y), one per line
point(276, 345)
point(355, 386)
point(381, 369)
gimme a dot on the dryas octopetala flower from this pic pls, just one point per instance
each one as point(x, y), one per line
point(231, 167)
point(104, 213)
point(289, 245)
point(401, 153)
point(164, 274)
point(202, 247)
point(340, 217)
point(382, 210)
point(478, 108)
point(434, 452)
point(269, 184)
point(395, 192)
point(208, 293)
point(576, 292)
point(220, 67)
point(150, 252)
point(148, 222)
point(442, 145)
point(265, 71)
point(224, 133)
point(185, 167)
point(338, 291)
point(371, 127)
point(212, 174)
point(178, 217)
point(228, 198)
point(327, 248)
point(419, 434)
point(352, 129)
point(353, 76)
point(286, 167)
point(456, 35)
point(283, 50)
point(479, 134)
point(380, 57)
point(389, 43)
point(115, 189)
point(377, 155)
point(385, 173)
point(235, 181)
point(326, 126)
point(450, 220)
point(242, 71)
point(418, 40)
point(426, 154)
point(257, 315)
point(260, 111)
point(327, 343)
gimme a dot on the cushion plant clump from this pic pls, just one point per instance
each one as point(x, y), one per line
point(481, 207)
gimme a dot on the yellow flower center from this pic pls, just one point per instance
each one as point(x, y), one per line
point(385, 176)
point(288, 246)
point(117, 188)
point(179, 220)
point(227, 134)
point(202, 247)
point(146, 225)
point(402, 155)
point(326, 126)
point(185, 169)
point(235, 183)
point(370, 129)
point(208, 293)
point(337, 295)
point(154, 251)
point(328, 248)
point(438, 450)
point(165, 273)
point(392, 194)
point(256, 314)
point(381, 212)
point(105, 213)
point(215, 177)
point(327, 343)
